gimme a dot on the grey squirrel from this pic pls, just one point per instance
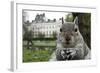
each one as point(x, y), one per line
point(70, 43)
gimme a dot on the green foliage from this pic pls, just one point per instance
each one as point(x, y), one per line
point(28, 35)
point(69, 18)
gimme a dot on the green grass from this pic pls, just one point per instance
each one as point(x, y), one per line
point(44, 43)
point(40, 55)
point(36, 55)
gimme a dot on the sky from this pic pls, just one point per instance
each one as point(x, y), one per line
point(49, 15)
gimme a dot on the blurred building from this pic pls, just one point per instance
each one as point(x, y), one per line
point(47, 29)
point(44, 26)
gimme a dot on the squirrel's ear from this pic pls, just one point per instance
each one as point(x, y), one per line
point(76, 20)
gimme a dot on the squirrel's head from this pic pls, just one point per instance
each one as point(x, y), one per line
point(68, 33)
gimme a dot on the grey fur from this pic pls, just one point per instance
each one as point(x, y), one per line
point(70, 44)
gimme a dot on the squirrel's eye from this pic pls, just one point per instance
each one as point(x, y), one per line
point(75, 30)
point(60, 30)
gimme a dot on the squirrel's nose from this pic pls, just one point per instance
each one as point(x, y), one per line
point(68, 38)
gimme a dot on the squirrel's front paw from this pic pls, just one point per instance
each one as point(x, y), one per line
point(71, 54)
point(66, 54)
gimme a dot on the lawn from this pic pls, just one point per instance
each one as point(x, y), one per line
point(40, 55)
point(36, 55)
point(44, 43)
